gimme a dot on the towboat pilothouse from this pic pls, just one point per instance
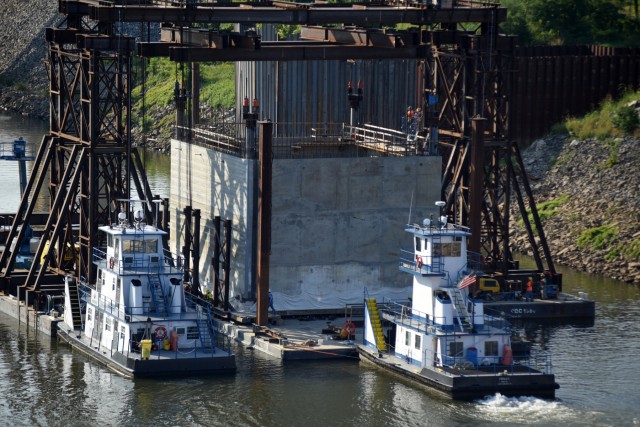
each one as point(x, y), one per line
point(137, 319)
point(444, 338)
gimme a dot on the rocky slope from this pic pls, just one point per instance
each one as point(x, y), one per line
point(23, 76)
point(595, 226)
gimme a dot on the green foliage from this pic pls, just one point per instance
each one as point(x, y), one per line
point(631, 251)
point(572, 22)
point(217, 86)
point(612, 160)
point(288, 32)
point(626, 119)
point(601, 123)
point(546, 210)
point(598, 237)
point(558, 129)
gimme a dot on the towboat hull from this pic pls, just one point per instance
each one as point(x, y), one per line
point(470, 385)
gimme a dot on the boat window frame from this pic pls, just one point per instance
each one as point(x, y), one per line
point(417, 342)
point(407, 338)
point(491, 348)
point(418, 244)
point(455, 349)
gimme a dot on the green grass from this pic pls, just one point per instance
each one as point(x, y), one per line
point(217, 85)
point(612, 160)
point(546, 210)
point(611, 120)
point(598, 238)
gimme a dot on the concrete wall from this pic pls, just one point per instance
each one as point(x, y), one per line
point(218, 185)
point(337, 224)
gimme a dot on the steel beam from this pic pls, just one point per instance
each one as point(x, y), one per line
point(300, 52)
point(313, 15)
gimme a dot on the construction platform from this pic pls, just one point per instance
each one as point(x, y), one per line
point(37, 320)
point(299, 339)
point(565, 307)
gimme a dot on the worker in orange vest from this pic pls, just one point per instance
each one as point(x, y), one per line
point(528, 296)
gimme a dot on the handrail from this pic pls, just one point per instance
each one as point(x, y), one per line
point(143, 266)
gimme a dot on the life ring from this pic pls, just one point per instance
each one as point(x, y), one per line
point(419, 261)
point(160, 333)
point(112, 262)
point(350, 327)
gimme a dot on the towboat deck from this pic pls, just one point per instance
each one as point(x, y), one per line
point(181, 361)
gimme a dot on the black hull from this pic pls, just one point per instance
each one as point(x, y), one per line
point(154, 367)
point(473, 387)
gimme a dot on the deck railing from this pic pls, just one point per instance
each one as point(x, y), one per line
point(135, 263)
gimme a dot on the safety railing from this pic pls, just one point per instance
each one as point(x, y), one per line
point(422, 322)
point(140, 263)
point(539, 361)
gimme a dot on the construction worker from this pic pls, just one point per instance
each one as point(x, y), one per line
point(528, 296)
point(271, 302)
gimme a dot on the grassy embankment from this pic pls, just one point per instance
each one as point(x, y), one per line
point(217, 91)
point(613, 120)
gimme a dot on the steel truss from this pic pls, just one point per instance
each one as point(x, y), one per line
point(87, 156)
point(467, 79)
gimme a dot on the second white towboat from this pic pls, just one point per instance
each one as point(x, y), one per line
point(444, 338)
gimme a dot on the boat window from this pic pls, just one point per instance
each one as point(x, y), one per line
point(107, 323)
point(491, 348)
point(417, 342)
point(193, 333)
point(452, 249)
point(140, 246)
point(407, 338)
point(109, 240)
point(455, 349)
point(418, 244)
point(89, 314)
point(117, 248)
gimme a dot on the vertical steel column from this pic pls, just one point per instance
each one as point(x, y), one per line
point(195, 242)
point(186, 248)
point(265, 158)
point(227, 262)
point(476, 183)
point(215, 262)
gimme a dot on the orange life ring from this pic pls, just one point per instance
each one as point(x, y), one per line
point(112, 262)
point(419, 261)
point(350, 327)
point(160, 333)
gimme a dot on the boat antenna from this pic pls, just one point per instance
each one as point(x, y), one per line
point(411, 204)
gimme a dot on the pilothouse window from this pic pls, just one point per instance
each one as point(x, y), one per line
point(418, 244)
point(140, 246)
point(453, 249)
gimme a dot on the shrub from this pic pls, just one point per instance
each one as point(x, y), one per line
point(626, 119)
point(598, 237)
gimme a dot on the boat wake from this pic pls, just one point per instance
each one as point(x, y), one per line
point(525, 409)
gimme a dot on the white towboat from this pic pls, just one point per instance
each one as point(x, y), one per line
point(444, 338)
point(136, 319)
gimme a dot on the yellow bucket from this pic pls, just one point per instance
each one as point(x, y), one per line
point(146, 349)
point(166, 345)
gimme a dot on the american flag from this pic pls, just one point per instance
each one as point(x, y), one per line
point(467, 281)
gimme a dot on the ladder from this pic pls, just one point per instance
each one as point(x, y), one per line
point(436, 256)
point(205, 330)
point(374, 317)
point(74, 299)
point(460, 307)
point(157, 295)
